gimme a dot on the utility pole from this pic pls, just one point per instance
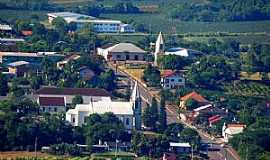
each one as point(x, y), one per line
point(191, 152)
point(36, 147)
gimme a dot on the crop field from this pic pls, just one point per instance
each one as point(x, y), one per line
point(250, 89)
point(13, 15)
point(160, 22)
point(244, 39)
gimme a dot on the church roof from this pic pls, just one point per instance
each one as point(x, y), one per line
point(101, 107)
point(160, 39)
point(135, 92)
point(126, 47)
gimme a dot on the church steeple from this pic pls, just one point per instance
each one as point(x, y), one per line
point(159, 47)
point(136, 100)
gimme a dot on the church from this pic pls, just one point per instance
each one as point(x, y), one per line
point(128, 112)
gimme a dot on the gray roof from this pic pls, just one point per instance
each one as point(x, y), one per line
point(70, 15)
point(18, 63)
point(126, 47)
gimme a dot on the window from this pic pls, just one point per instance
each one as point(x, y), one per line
point(136, 57)
point(127, 121)
point(167, 81)
point(55, 109)
point(43, 108)
point(127, 57)
point(73, 119)
point(167, 86)
point(118, 56)
point(85, 119)
point(180, 80)
point(172, 80)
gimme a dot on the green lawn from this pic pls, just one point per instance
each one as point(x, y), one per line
point(119, 155)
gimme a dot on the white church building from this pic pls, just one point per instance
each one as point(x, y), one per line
point(128, 112)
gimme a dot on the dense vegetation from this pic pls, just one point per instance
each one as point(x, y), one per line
point(220, 10)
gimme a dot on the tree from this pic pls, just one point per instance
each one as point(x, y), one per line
point(173, 62)
point(162, 119)
point(3, 85)
point(106, 127)
point(151, 75)
point(173, 131)
point(77, 100)
point(191, 104)
point(146, 117)
point(191, 136)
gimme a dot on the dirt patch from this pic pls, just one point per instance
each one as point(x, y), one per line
point(22, 154)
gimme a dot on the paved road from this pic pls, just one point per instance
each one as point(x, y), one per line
point(172, 117)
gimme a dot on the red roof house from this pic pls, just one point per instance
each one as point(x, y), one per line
point(194, 96)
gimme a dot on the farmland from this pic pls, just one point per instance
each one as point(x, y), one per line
point(159, 22)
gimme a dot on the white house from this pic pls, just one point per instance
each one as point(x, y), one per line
point(172, 79)
point(122, 52)
point(128, 112)
point(99, 25)
point(52, 104)
point(88, 94)
point(229, 130)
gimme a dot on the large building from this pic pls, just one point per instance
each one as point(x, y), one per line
point(99, 25)
point(128, 112)
point(88, 94)
point(122, 52)
point(32, 58)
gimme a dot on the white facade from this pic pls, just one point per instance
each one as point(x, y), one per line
point(53, 109)
point(173, 81)
point(228, 131)
point(123, 110)
point(128, 112)
point(99, 25)
point(122, 52)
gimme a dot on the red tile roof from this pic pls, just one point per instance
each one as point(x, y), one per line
point(195, 96)
point(74, 91)
point(167, 73)
point(51, 101)
point(214, 119)
point(27, 33)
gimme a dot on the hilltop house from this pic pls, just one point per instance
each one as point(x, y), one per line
point(128, 112)
point(194, 96)
point(99, 25)
point(229, 130)
point(122, 52)
point(18, 68)
point(52, 104)
point(88, 94)
point(172, 79)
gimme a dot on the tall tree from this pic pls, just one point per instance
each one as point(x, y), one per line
point(162, 119)
point(3, 85)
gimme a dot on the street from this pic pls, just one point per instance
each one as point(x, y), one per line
point(219, 153)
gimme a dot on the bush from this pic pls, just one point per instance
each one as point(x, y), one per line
point(65, 149)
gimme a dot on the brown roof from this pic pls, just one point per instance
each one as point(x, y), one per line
point(236, 125)
point(195, 96)
point(74, 91)
point(51, 101)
